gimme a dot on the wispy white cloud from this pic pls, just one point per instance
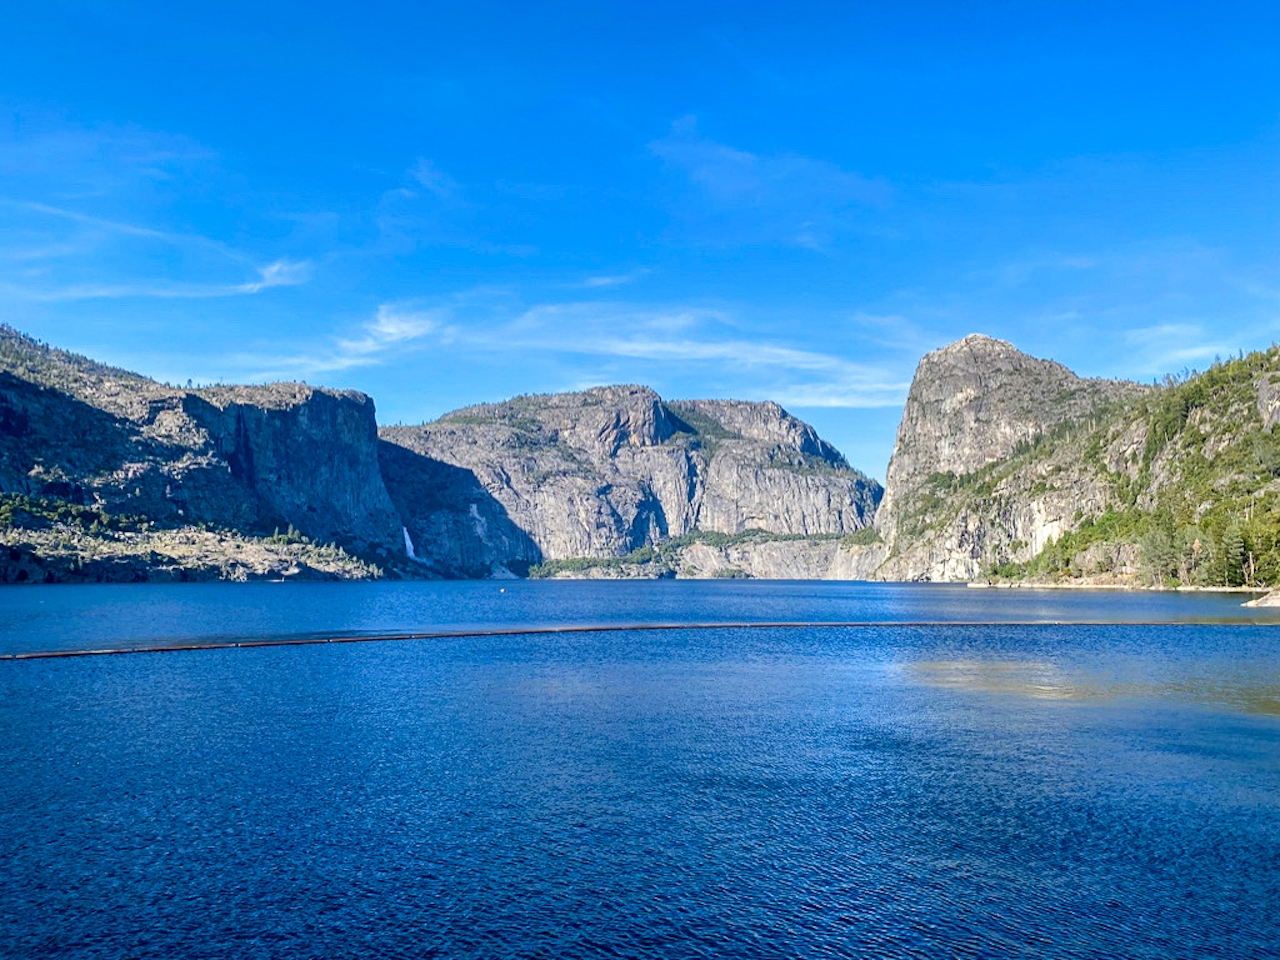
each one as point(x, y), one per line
point(393, 328)
point(38, 251)
point(282, 273)
point(862, 395)
point(894, 332)
point(395, 323)
point(738, 175)
point(745, 197)
point(1169, 347)
point(56, 159)
point(613, 280)
point(428, 208)
point(1024, 270)
point(426, 174)
point(86, 214)
point(112, 226)
point(634, 342)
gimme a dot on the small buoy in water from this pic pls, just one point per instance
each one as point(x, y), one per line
point(502, 589)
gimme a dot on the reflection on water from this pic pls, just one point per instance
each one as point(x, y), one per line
point(1047, 681)
point(1043, 681)
point(1062, 792)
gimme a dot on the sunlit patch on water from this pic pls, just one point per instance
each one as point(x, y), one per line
point(1042, 680)
point(1259, 696)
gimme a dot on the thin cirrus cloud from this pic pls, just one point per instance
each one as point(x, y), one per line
point(428, 208)
point(281, 273)
point(49, 157)
point(87, 214)
point(52, 256)
point(737, 196)
point(655, 341)
point(430, 177)
point(394, 326)
point(1169, 346)
point(85, 220)
point(612, 280)
point(694, 338)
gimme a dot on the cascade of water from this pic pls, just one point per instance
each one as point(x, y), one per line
point(408, 545)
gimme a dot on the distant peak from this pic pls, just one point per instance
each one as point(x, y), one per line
point(980, 341)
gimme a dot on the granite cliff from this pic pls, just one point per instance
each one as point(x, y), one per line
point(1010, 468)
point(609, 471)
point(971, 407)
point(249, 460)
point(105, 474)
point(1006, 467)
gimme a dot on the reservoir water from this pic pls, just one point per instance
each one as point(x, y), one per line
point(964, 773)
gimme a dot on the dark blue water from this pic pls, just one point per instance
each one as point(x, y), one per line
point(116, 615)
point(1050, 791)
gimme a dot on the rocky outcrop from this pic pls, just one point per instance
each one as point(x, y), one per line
point(607, 471)
point(972, 406)
point(765, 423)
point(309, 458)
point(806, 559)
point(973, 403)
point(1012, 468)
point(68, 555)
point(486, 491)
point(707, 556)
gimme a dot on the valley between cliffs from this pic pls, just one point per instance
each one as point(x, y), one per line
point(1007, 469)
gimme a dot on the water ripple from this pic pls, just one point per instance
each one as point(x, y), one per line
point(901, 792)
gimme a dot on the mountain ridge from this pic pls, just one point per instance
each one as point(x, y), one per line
point(1006, 468)
point(486, 490)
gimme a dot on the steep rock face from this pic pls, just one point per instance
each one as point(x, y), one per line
point(1170, 485)
point(741, 493)
point(769, 471)
point(310, 456)
point(606, 471)
point(248, 458)
point(1011, 522)
point(971, 406)
point(781, 560)
point(452, 524)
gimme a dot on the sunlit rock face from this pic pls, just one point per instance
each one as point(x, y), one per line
point(484, 491)
point(971, 405)
point(603, 472)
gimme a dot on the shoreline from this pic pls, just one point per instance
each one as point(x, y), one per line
point(1031, 585)
point(1262, 596)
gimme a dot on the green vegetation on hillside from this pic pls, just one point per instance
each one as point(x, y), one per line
point(27, 512)
point(861, 538)
point(1199, 502)
point(708, 433)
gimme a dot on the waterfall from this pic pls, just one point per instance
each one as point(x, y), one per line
point(408, 544)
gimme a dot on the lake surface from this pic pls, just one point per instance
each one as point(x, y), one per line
point(1009, 789)
point(70, 617)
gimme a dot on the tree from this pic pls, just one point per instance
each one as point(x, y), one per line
point(1233, 556)
point(1158, 555)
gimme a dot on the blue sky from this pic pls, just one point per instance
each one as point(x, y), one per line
point(444, 204)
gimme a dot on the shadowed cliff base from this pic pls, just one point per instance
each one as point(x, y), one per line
point(454, 526)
